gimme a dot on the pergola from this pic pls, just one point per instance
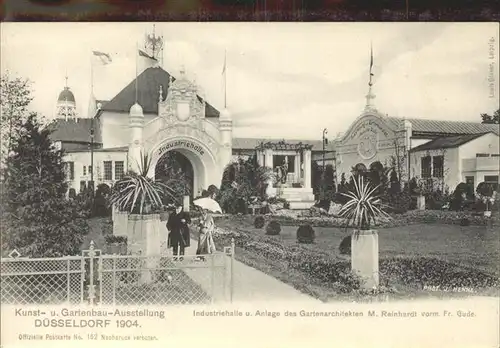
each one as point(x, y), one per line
point(282, 145)
point(266, 150)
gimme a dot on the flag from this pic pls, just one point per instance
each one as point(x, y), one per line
point(104, 58)
point(224, 67)
point(371, 60)
point(145, 55)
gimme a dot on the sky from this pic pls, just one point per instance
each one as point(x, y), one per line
point(284, 80)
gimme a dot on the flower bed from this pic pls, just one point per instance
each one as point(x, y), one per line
point(410, 217)
point(334, 272)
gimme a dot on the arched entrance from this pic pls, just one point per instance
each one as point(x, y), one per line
point(176, 170)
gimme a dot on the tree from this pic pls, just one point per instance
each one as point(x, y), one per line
point(242, 181)
point(38, 219)
point(15, 98)
point(489, 119)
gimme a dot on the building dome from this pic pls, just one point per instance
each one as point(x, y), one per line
point(66, 96)
point(136, 110)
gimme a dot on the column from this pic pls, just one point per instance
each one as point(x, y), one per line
point(297, 167)
point(307, 169)
point(260, 158)
point(268, 161)
point(268, 158)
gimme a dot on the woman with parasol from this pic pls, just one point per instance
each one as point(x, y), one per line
point(206, 243)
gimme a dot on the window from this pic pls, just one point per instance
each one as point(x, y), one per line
point(108, 170)
point(438, 166)
point(90, 169)
point(118, 170)
point(84, 170)
point(492, 179)
point(70, 170)
point(469, 180)
point(482, 155)
point(83, 186)
point(426, 166)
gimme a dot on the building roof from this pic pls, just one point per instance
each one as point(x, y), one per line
point(252, 143)
point(66, 95)
point(447, 142)
point(435, 127)
point(148, 83)
point(110, 149)
point(74, 130)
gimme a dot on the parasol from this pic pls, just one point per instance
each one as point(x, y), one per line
point(208, 204)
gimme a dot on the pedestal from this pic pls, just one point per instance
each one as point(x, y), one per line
point(185, 203)
point(421, 202)
point(145, 235)
point(364, 257)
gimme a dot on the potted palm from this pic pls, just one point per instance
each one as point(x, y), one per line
point(141, 197)
point(363, 209)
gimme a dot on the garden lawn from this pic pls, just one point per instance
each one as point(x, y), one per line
point(471, 248)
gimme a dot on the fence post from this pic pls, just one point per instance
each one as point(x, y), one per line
point(99, 277)
point(82, 277)
point(91, 286)
point(68, 283)
point(114, 281)
point(231, 289)
point(212, 276)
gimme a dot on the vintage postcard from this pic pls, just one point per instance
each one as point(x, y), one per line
point(250, 184)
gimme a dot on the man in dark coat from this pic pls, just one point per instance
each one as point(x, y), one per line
point(179, 237)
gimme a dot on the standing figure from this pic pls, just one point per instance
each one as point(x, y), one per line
point(206, 243)
point(179, 236)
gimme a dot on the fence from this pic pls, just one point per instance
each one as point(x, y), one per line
point(98, 279)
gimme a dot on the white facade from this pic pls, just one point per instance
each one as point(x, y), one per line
point(472, 162)
point(370, 139)
point(374, 137)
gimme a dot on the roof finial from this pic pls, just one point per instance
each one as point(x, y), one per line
point(370, 96)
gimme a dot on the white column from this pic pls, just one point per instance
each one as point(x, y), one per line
point(297, 167)
point(307, 168)
point(268, 160)
point(268, 155)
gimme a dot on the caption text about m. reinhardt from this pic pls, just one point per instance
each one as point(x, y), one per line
point(335, 313)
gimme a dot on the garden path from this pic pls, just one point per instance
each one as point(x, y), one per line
point(250, 284)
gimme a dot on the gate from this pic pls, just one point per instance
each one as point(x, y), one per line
point(98, 279)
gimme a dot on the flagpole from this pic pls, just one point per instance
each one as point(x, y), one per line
point(91, 74)
point(225, 79)
point(136, 71)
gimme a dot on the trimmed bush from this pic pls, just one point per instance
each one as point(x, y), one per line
point(345, 246)
point(259, 222)
point(465, 222)
point(112, 239)
point(305, 234)
point(273, 228)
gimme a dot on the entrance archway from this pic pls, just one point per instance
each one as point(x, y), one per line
point(176, 170)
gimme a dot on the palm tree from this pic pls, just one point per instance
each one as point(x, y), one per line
point(137, 193)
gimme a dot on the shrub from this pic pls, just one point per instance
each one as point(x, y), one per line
point(465, 222)
point(305, 234)
point(112, 239)
point(259, 222)
point(345, 246)
point(273, 228)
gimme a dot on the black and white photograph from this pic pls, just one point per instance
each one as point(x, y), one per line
point(338, 173)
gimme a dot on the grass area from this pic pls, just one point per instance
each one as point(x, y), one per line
point(474, 248)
